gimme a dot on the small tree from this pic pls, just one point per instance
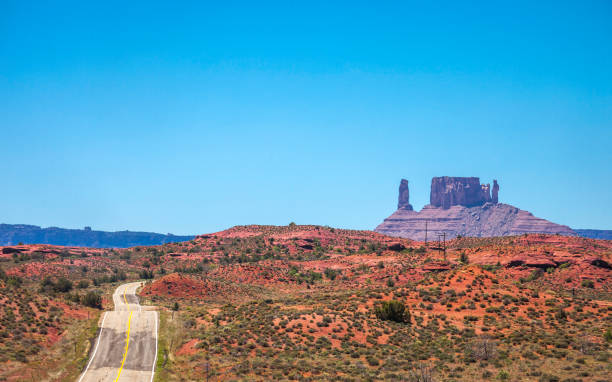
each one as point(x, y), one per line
point(62, 285)
point(175, 307)
point(392, 310)
point(92, 299)
point(146, 274)
point(463, 258)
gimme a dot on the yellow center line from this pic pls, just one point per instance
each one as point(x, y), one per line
point(127, 339)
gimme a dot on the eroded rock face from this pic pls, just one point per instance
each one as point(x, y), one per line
point(403, 200)
point(449, 191)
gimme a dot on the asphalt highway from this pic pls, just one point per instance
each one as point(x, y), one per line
point(126, 348)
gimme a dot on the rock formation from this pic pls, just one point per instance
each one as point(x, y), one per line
point(463, 206)
point(449, 191)
point(403, 201)
point(494, 197)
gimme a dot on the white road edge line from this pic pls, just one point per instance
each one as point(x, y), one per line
point(156, 340)
point(95, 349)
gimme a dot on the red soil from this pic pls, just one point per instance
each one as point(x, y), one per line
point(179, 286)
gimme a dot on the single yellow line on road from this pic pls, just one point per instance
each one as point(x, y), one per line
point(127, 340)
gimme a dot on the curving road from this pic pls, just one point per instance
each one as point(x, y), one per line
point(126, 349)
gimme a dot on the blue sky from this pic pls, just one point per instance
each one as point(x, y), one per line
point(193, 118)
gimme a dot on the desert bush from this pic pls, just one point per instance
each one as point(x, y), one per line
point(145, 274)
point(62, 285)
point(548, 378)
point(608, 335)
point(420, 374)
point(392, 310)
point(331, 273)
point(560, 315)
point(536, 274)
point(503, 375)
point(92, 299)
point(484, 348)
point(587, 283)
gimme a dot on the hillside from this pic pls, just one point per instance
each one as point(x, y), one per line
point(306, 302)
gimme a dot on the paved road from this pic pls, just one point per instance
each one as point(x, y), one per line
point(126, 348)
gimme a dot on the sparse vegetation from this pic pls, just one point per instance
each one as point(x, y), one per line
point(315, 303)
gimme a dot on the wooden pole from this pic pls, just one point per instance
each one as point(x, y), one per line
point(425, 233)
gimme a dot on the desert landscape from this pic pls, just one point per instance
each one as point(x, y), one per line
point(318, 303)
point(205, 191)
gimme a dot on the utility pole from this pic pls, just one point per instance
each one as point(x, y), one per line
point(425, 233)
point(442, 244)
point(444, 233)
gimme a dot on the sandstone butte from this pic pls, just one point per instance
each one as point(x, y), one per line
point(461, 206)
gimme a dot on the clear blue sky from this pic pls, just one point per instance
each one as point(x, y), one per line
point(191, 119)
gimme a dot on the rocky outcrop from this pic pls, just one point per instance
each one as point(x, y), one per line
point(403, 200)
point(495, 196)
point(462, 206)
point(449, 191)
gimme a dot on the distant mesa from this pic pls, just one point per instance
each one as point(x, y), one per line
point(463, 206)
point(12, 234)
point(600, 234)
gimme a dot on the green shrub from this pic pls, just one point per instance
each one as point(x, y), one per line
point(548, 378)
point(146, 274)
point(331, 273)
point(588, 284)
point(62, 285)
point(608, 335)
point(536, 274)
point(92, 299)
point(372, 361)
point(392, 310)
